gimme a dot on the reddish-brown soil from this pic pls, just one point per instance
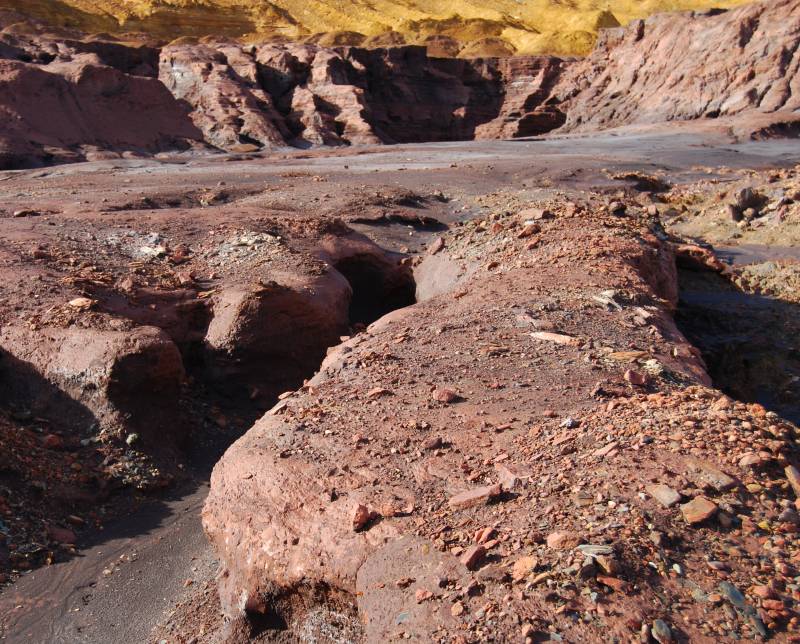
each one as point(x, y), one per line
point(218, 283)
point(450, 392)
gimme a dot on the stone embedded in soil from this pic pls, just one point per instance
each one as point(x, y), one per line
point(557, 338)
point(361, 517)
point(523, 567)
point(445, 395)
point(635, 377)
point(793, 476)
point(697, 510)
point(710, 475)
point(473, 556)
point(661, 632)
point(562, 540)
point(511, 477)
point(436, 246)
point(476, 496)
point(617, 584)
point(664, 494)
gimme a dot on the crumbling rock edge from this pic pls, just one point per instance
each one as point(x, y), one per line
point(121, 378)
point(285, 501)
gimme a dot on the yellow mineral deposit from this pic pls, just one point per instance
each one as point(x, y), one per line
point(467, 28)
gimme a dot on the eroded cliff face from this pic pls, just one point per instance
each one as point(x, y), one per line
point(465, 28)
point(305, 95)
point(688, 66)
point(78, 98)
point(228, 96)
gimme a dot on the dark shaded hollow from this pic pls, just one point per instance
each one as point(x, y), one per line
point(377, 290)
point(750, 343)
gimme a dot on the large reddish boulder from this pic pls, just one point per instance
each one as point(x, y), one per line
point(95, 376)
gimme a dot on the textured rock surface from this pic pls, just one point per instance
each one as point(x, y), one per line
point(515, 370)
point(689, 66)
point(107, 375)
point(528, 83)
point(221, 85)
point(467, 28)
point(306, 95)
point(63, 111)
point(67, 98)
point(358, 439)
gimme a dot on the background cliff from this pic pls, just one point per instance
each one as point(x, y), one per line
point(466, 28)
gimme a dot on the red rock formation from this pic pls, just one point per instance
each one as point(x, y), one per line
point(527, 83)
point(221, 85)
point(64, 110)
point(349, 490)
point(105, 375)
point(64, 97)
point(688, 66)
point(307, 95)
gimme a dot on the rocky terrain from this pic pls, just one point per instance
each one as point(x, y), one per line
point(743, 72)
point(455, 389)
point(465, 28)
point(417, 484)
point(421, 476)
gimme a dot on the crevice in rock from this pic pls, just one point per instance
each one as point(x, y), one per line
point(376, 291)
point(748, 341)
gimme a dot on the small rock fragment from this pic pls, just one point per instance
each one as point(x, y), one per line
point(697, 510)
point(522, 567)
point(81, 303)
point(712, 476)
point(793, 476)
point(473, 556)
point(436, 246)
point(661, 632)
point(557, 338)
point(422, 595)
point(445, 395)
point(591, 550)
point(664, 494)
point(476, 496)
point(636, 378)
point(562, 540)
point(361, 517)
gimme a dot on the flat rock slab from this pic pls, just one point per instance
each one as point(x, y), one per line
point(699, 509)
point(664, 494)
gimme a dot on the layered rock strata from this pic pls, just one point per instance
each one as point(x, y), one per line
point(673, 67)
point(73, 99)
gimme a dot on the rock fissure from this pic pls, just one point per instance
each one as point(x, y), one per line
point(748, 340)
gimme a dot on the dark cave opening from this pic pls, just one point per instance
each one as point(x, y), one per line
point(378, 289)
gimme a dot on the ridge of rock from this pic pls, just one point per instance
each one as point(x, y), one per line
point(466, 28)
